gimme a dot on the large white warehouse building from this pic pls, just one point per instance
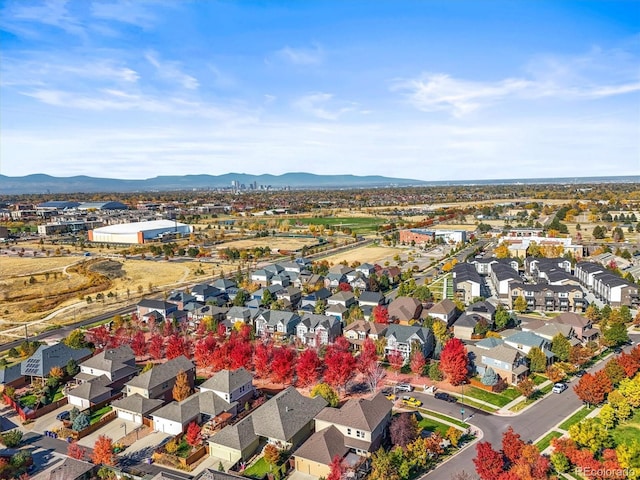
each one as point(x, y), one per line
point(138, 232)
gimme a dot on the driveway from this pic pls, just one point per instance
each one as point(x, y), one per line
point(48, 421)
point(115, 430)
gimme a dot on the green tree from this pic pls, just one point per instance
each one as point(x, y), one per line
point(537, 360)
point(12, 438)
point(490, 377)
point(520, 304)
point(607, 416)
point(502, 317)
point(326, 392)
point(434, 372)
point(560, 462)
point(616, 334)
point(76, 339)
point(72, 367)
point(81, 422)
point(241, 298)
point(560, 347)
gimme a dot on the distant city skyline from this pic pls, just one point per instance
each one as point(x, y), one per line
point(429, 90)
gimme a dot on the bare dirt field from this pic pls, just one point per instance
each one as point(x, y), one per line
point(369, 254)
point(16, 266)
point(275, 243)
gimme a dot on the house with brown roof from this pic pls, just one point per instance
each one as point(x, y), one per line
point(444, 310)
point(315, 455)
point(358, 331)
point(582, 326)
point(404, 310)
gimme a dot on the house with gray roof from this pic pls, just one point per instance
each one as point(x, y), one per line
point(401, 337)
point(68, 469)
point(346, 299)
point(239, 314)
point(118, 365)
point(315, 330)
point(465, 325)
point(90, 393)
point(48, 356)
point(209, 474)
point(148, 306)
point(337, 311)
point(370, 298)
point(224, 284)
point(235, 442)
point(11, 375)
point(315, 296)
point(525, 341)
point(357, 332)
point(279, 323)
point(506, 361)
point(444, 310)
point(231, 385)
point(291, 296)
point(159, 381)
point(314, 456)
point(136, 407)
point(175, 417)
point(362, 421)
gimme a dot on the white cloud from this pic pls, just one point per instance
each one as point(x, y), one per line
point(302, 56)
point(136, 12)
point(316, 104)
point(51, 12)
point(591, 76)
point(172, 71)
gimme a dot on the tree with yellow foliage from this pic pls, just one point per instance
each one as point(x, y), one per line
point(502, 251)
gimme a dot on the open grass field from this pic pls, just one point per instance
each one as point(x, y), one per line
point(366, 224)
point(25, 266)
point(627, 432)
point(370, 254)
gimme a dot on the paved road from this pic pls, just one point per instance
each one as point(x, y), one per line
point(64, 331)
point(530, 424)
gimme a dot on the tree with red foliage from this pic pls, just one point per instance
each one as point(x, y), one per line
point(246, 333)
point(396, 361)
point(340, 364)
point(489, 463)
point(454, 361)
point(139, 344)
point(592, 389)
point(380, 314)
point(221, 331)
point(220, 357)
point(76, 451)
point(240, 352)
point(99, 336)
point(156, 346)
point(103, 451)
point(630, 364)
point(167, 328)
point(282, 365)
point(417, 362)
point(512, 445)
point(177, 345)
point(337, 468)
point(194, 436)
point(344, 287)
point(308, 367)
point(203, 350)
point(262, 355)
point(368, 357)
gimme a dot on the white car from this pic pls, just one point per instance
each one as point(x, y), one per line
point(559, 387)
point(404, 387)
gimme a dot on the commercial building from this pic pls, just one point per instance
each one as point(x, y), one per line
point(419, 235)
point(138, 232)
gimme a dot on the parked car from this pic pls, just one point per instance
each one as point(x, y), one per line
point(411, 401)
point(580, 373)
point(392, 397)
point(559, 387)
point(63, 415)
point(446, 397)
point(404, 387)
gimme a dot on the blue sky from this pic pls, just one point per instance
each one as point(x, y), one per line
point(433, 90)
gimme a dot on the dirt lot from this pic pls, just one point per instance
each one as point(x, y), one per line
point(369, 254)
point(275, 243)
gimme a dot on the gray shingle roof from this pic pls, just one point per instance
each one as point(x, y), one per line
point(361, 413)
point(404, 332)
point(111, 359)
point(9, 374)
point(323, 446)
point(69, 469)
point(228, 380)
point(137, 404)
point(526, 338)
point(49, 356)
point(161, 373)
point(237, 436)
point(284, 415)
point(91, 390)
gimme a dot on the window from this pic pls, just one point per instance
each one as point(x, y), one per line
point(348, 431)
point(359, 434)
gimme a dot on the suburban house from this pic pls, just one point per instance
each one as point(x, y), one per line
point(90, 393)
point(338, 311)
point(371, 299)
point(261, 277)
point(196, 315)
point(366, 269)
point(147, 307)
point(11, 375)
point(231, 385)
point(314, 456)
point(315, 330)
point(290, 295)
point(205, 292)
point(224, 284)
point(239, 315)
point(465, 325)
point(48, 356)
point(333, 279)
point(401, 337)
point(362, 421)
point(359, 281)
point(315, 296)
point(346, 299)
point(502, 276)
point(181, 299)
point(159, 381)
point(118, 365)
point(68, 469)
point(360, 330)
point(525, 341)
point(276, 322)
point(467, 283)
point(507, 362)
point(404, 310)
point(484, 309)
point(444, 310)
point(548, 330)
point(175, 417)
point(285, 420)
point(135, 408)
point(582, 326)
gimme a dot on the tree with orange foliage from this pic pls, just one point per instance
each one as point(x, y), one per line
point(103, 451)
point(396, 361)
point(181, 389)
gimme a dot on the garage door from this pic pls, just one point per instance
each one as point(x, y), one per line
point(137, 418)
point(224, 453)
point(125, 415)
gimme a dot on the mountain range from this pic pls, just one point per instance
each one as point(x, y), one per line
point(41, 183)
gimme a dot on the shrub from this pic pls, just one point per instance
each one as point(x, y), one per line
point(12, 438)
point(81, 422)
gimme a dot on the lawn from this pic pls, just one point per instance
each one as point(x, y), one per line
point(479, 406)
point(97, 415)
point(538, 379)
point(511, 393)
point(537, 395)
point(258, 469)
point(444, 417)
point(431, 425)
point(489, 397)
point(575, 418)
point(356, 224)
point(627, 432)
point(546, 440)
point(28, 400)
